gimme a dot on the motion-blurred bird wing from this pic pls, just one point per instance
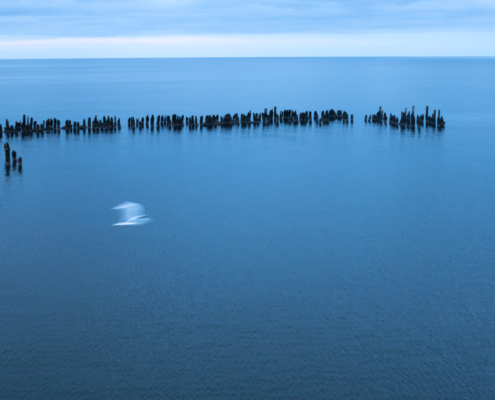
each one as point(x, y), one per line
point(129, 211)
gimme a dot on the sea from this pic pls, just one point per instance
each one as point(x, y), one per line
point(283, 262)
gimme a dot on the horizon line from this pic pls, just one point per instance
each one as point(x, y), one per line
point(398, 44)
point(243, 57)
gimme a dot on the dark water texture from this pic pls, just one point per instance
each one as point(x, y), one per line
point(326, 262)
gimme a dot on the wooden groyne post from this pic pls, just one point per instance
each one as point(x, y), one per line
point(6, 148)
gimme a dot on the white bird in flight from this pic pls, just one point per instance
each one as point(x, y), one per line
point(131, 214)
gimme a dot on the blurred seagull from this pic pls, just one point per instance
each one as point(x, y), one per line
point(131, 214)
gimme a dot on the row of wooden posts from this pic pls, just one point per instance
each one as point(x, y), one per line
point(28, 127)
point(408, 119)
point(266, 118)
point(15, 161)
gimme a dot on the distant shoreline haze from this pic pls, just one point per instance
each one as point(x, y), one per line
point(398, 44)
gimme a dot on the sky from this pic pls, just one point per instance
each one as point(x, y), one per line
point(234, 28)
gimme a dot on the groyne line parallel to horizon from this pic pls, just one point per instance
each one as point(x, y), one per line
point(28, 127)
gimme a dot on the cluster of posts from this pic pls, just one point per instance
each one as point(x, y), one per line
point(28, 127)
point(408, 119)
point(15, 161)
point(210, 121)
point(105, 125)
point(330, 116)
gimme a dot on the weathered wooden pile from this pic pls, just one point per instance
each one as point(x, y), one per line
point(431, 120)
point(265, 118)
point(246, 119)
point(15, 161)
point(29, 127)
point(291, 117)
point(330, 116)
point(104, 125)
point(379, 118)
point(407, 119)
point(179, 121)
point(162, 121)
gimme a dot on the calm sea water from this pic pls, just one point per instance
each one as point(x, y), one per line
point(298, 262)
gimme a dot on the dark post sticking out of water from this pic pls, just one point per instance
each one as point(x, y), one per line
point(28, 127)
point(377, 118)
point(6, 148)
point(408, 119)
point(265, 118)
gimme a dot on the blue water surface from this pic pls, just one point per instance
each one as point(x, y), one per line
point(302, 262)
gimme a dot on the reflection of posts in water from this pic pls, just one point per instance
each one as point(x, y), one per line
point(6, 147)
point(7, 158)
point(15, 160)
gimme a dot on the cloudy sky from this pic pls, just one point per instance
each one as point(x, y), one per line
point(200, 28)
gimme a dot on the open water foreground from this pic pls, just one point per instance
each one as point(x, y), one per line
point(304, 262)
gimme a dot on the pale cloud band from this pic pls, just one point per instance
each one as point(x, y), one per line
point(219, 28)
point(256, 45)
